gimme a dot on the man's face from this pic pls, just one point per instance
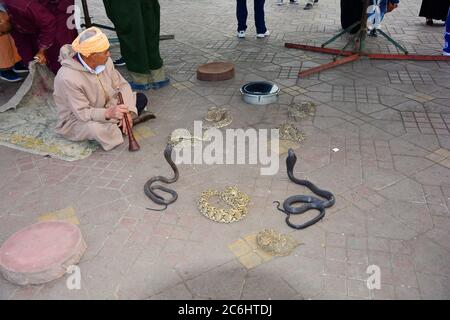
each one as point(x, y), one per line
point(5, 22)
point(100, 58)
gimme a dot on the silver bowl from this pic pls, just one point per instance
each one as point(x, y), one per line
point(260, 92)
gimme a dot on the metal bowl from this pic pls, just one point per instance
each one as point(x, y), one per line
point(260, 92)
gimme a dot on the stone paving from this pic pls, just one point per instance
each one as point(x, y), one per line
point(391, 175)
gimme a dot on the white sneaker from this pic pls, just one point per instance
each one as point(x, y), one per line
point(241, 34)
point(279, 2)
point(263, 35)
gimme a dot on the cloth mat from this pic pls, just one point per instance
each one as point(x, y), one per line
point(28, 119)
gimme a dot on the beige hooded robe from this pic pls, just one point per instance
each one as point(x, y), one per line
point(82, 97)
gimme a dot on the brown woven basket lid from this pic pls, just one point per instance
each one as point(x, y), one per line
point(215, 71)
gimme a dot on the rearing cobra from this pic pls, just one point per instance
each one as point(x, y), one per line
point(311, 202)
point(149, 190)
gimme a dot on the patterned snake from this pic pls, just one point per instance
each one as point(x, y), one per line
point(311, 202)
point(149, 190)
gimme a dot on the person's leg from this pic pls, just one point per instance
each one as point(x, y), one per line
point(351, 13)
point(7, 50)
point(140, 81)
point(241, 14)
point(130, 31)
point(383, 10)
point(19, 66)
point(26, 45)
point(426, 11)
point(141, 102)
point(151, 16)
point(446, 50)
point(143, 115)
point(375, 20)
point(259, 16)
point(159, 78)
point(8, 59)
point(16, 57)
point(107, 134)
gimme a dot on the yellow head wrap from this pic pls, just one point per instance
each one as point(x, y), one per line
point(97, 43)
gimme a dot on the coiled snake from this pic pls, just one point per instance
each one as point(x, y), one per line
point(149, 190)
point(311, 202)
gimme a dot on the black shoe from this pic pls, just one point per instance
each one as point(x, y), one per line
point(373, 33)
point(120, 62)
point(10, 76)
point(316, 1)
point(430, 22)
point(308, 6)
point(20, 67)
point(144, 116)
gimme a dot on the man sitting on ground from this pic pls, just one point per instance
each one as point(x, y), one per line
point(85, 93)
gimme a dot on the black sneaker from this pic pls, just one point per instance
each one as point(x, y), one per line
point(20, 67)
point(373, 33)
point(10, 76)
point(120, 62)
point(308, 6)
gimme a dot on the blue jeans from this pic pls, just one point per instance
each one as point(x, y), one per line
point(242, 13)
point(447, 35)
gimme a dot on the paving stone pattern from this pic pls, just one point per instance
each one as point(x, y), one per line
point(389, 121)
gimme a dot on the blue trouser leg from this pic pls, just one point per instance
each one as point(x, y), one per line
point(383, 8)
point(259, 16)
point(447, 35)
point(241, 14)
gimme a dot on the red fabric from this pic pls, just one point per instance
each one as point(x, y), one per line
point(40, 24)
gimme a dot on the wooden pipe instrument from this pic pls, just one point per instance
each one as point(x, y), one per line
point(133, 145)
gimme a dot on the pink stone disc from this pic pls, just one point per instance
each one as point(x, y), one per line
point(41, 252)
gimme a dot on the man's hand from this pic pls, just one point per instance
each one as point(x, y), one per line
point(40, 57)
point(123, 126)
point(116, 112)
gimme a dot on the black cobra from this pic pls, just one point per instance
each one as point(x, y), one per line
point(311, 202)
point(149, 189)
